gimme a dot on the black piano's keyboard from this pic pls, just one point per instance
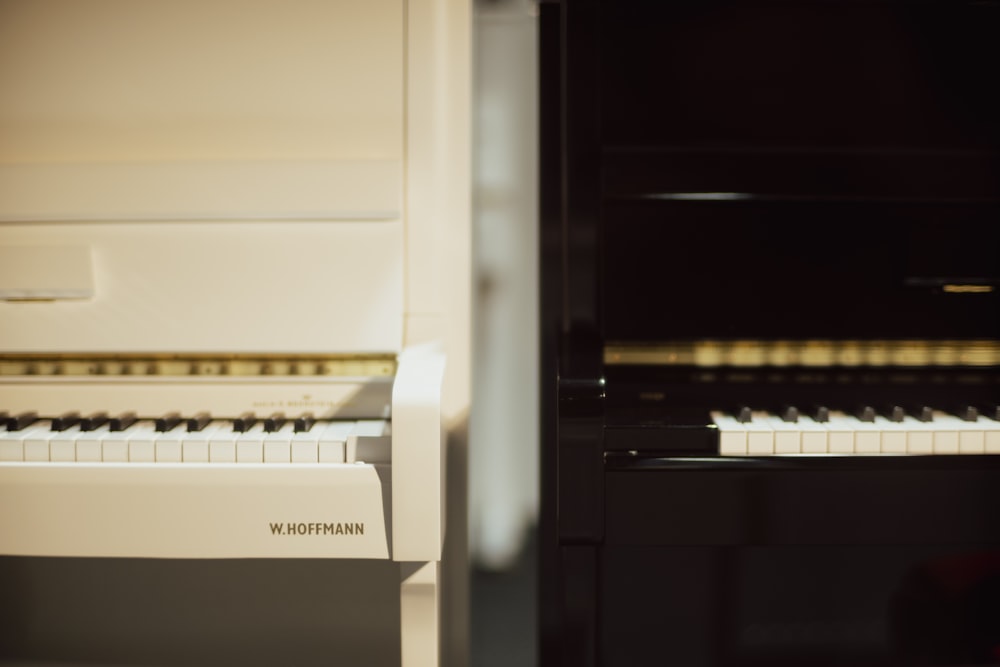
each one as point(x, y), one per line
point(175, 438)
point(869, 430)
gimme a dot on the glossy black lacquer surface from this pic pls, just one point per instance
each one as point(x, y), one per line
point(773, 170)
point(799, 168)
point(808, 561)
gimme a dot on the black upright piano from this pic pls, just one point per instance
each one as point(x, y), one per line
point(770, 237)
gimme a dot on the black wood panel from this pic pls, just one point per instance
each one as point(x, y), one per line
point(804, 501)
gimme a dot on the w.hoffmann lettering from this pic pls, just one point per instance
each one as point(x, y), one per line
point(311, 528)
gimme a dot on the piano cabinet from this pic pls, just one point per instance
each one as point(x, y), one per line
point(770, 333)
point(222, 208)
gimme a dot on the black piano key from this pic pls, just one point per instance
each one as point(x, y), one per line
point(991, 411)
point(244, 422)
point(21, 421)
point(122, 421)
point(168, 421)
point(274, 422)
point(65, 421)
point(304, 423)
point(199, 421)
point(94, 421)
point(821, 413)
point(789, 413)
point(893, 413)
point(922, 413)
point(865, 413)
point(743, 414)
point(967, 413)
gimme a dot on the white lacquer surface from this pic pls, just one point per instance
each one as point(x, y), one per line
point(418, 456)
point(190, 510)
point(218, 287)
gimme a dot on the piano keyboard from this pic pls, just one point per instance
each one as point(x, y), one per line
point(892, 430)
point(173, 438)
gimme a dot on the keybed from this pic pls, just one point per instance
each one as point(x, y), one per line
point(198, 438)
point(867, 430)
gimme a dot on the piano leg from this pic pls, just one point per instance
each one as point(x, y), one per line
point(419, 603)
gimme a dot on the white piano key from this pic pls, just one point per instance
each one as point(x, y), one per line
point(36, 443)
point(893, 435)
point(250, 445)
point(991, 435)
point(168, 445)
point(919, 436)
point(366, 428)
point(373, 427)
point(787, 436)
point(760, 436)
point(840, 434)
point(814, 436)
point(371, 448)
point(369, 442)
point(867, 436)
point(333, 442)
point(222, 444)
point(11, 448)
point(12, 442)
point(278, 445)
point(732, 435)
point(142, 443)
point(351, 445)
point(89, 444)
point(114, 447)
point(195, 445)
point(305, 445)
point(62, 444)
point(946, 429)
point(972, 436)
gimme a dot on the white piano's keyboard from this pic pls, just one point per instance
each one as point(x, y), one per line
point(194, 487)
point(210, 480)
point(867, 431)
point(195, 439)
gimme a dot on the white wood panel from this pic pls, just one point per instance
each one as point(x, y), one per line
point(206, 190)
point(119, 80)
point(219, 287)
point(191, 510)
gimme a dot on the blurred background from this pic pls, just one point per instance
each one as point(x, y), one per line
point(504, 429)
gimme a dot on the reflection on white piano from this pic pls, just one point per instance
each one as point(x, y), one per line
point(868, 430)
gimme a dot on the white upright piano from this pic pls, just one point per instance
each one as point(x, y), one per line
point(234, 254)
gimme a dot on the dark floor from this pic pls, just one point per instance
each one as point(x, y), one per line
point(84, 611)
point(504, 614)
